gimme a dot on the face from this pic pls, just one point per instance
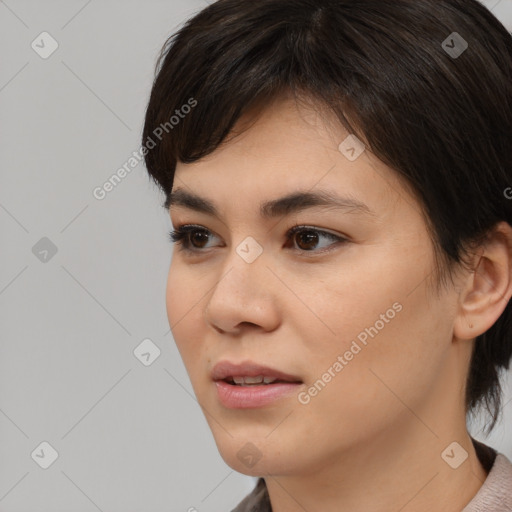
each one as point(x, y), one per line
point(342, 305)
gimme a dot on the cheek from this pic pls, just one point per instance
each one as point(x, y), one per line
point(184, 305)
point(185, 295)
point(393, 338)
point(176, 287)
point(392, 374)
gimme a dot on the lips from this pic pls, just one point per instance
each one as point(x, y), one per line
point(250, 385)
point(228, 371)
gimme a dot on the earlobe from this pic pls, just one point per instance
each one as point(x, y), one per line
point(488, 288)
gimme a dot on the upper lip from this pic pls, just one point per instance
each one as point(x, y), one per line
point(225, 369)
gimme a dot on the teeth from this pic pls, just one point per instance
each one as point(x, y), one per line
point(250, 381)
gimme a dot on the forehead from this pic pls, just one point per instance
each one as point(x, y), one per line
point(280, 150)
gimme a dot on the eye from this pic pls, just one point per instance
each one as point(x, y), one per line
point(308, 238)
point(193, 239)
point(186, 235)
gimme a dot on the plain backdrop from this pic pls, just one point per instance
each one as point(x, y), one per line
point(82, 280)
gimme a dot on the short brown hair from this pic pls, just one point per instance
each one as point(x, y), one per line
point(442, 121)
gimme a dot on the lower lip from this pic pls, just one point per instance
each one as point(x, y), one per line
point(245, 397)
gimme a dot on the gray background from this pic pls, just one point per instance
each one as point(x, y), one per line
point(129, 437)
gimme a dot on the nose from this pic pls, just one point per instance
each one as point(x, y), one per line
point(245, 296)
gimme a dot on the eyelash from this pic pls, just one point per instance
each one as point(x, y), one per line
point(180, 236)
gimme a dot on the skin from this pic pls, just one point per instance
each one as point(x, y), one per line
point(372, 439)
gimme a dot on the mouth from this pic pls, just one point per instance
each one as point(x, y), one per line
point(259, 380)
point(250, 385)
point(250, 374)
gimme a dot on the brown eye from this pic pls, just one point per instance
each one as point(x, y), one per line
point(190, 238)
point(195, 239)
point(308, 238)
point(199, 238)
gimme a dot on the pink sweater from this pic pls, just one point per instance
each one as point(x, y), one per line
point(495, 495)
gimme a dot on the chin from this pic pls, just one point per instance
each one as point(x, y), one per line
point(253, 459)
point(260, 469)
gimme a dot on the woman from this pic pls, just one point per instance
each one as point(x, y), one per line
point(339, 174)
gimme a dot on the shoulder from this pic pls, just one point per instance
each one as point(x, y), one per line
point(257, 501)
point(495, 495)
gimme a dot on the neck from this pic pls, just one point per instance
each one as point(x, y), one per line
point(401, 469)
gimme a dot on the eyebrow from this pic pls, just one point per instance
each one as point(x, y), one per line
point(291, 203)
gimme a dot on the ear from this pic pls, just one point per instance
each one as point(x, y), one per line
point(486, 291)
